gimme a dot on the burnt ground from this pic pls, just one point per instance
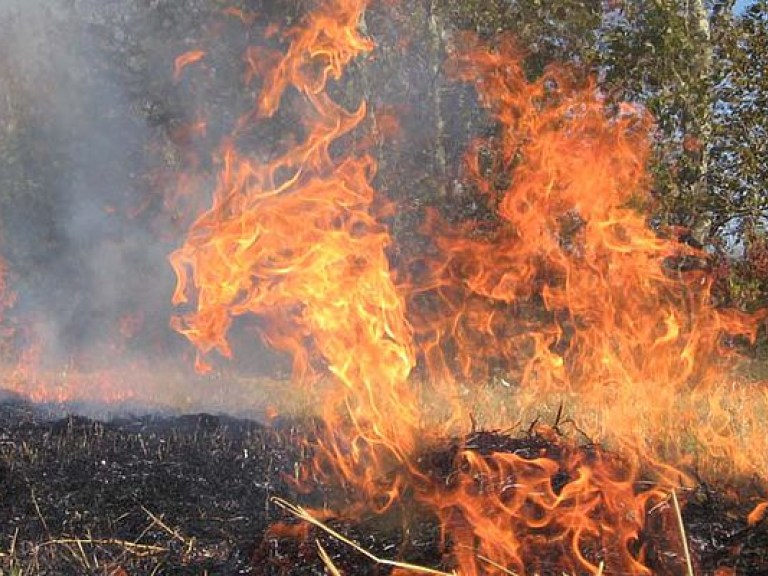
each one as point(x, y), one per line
point(191, 495)
point(150, 495)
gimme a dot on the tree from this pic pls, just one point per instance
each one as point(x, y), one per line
point(738, 148)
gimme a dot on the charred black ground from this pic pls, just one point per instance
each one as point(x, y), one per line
point(191, 495)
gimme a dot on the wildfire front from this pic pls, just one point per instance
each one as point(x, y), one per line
point(516, 365)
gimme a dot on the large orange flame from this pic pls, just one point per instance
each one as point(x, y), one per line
point(569, 511)
point(569, 293)
point(294, 241)
point(572, 292)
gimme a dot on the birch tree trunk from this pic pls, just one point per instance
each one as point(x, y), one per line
point(703, 95)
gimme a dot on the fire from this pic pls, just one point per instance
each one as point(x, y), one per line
point(573, 292)
point(570, 293)
point(757, 514)
point(295, 241)
point(521, 512)
point(185, 60)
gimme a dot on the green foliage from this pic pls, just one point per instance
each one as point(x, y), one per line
point(658, 53)
point(736, 183)
point(740, 137)
point(549, 32)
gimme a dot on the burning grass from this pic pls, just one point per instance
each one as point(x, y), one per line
point(566, 289)
point(564, 292)
point(186, 495)
point(674, 539)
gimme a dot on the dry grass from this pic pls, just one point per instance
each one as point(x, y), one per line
point(683, 535)
point(305, 516)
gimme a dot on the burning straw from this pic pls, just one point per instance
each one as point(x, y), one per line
point(569, 290)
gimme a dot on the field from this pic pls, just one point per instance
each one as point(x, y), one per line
point(192, 495)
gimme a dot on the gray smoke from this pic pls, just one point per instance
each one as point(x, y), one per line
point(81, 168)
point(90, 120)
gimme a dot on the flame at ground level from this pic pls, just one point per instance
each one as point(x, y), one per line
point(564, 307)
point(580, 302)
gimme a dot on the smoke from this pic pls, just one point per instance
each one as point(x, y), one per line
point(79, 263)
point(93, 146)
point(94, 139)
point(77, 206)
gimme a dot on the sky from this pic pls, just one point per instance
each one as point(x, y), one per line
point(741, 5)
